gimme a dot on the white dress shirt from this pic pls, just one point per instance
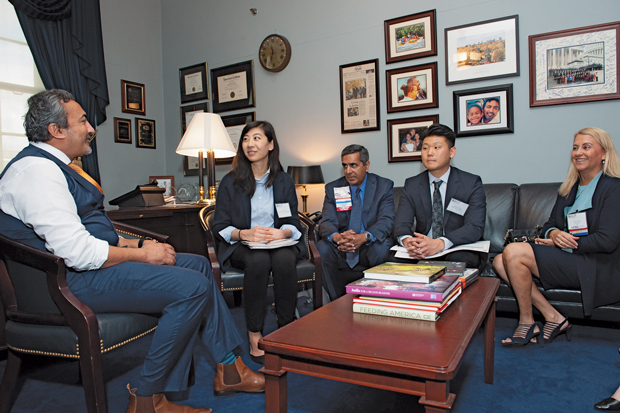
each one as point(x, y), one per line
point(34, 190)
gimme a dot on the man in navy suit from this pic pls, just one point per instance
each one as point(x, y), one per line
point(447, 205)
point(356, 223)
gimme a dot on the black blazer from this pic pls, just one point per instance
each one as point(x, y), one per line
point(415, 203)
point(233, 208)
point(377, 213)
point(600, 277)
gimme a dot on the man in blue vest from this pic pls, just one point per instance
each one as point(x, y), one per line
point(51, 205)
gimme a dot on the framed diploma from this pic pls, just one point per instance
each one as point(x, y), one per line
point(359, 97)
point(190, 163)
point(233, 87)
point(193, 81)
point(122, 130)
point(132, 96)
point(145, 133)
point(234, 125)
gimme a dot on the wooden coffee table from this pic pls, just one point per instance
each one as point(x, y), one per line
point(407, 356)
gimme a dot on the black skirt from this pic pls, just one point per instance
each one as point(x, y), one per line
point(557, 268)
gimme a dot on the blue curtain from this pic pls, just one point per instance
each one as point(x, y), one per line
point(67, 45)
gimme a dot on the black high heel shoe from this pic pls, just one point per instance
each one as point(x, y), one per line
point(524, 333)
point(555, 329)
point(608, 405)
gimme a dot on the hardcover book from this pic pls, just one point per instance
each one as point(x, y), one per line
point(452, 267)
point(411, 304)
point(395, 312)
point(436, 291)
point(415, 273)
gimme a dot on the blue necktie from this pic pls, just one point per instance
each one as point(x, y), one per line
point(355, 223)
point(437, 217)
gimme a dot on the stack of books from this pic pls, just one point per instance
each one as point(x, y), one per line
point(418, 291)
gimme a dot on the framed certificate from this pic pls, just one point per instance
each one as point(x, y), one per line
point(234, 125)
point(132, 96)
point(193, 82)
point(233, 87)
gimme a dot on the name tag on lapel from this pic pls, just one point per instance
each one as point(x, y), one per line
point(457, 207)
point(343, 198)
point(577, 224)
point(283, 210)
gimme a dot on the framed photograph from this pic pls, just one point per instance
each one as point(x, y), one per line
point(193, 81)
point(411, 37)
point(483, 111)
point(145, 133)
point(359, 97)
point(413, 87)
point(233, 87)
point(164, 181)
point(122, 130)
point(575, 65)
point(234, 126)
point(190, 163)
point(132, 96)
point(482, 50)
point(404, 143)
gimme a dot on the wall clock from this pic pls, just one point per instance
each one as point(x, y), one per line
point(274, 53)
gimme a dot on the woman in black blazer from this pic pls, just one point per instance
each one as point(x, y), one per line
point(590, 197)
point(256, 201)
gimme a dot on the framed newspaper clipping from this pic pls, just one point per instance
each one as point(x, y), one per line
point(359, 97)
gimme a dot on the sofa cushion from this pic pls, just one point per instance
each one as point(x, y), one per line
point(500, 213)
point(534, 204)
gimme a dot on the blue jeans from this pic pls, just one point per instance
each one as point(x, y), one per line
point(192, 312)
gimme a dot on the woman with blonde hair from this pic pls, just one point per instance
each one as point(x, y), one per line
point(581, 245)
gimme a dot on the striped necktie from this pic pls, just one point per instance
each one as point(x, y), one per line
point(85, 176)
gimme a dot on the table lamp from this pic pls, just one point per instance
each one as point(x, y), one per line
point(306, 175)
point(206, 135)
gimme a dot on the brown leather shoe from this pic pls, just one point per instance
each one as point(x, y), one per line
point(157, 403)
point(251, 382)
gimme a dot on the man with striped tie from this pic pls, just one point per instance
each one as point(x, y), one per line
point(50, 204)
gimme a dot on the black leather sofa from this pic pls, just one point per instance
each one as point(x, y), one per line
point(523, 207)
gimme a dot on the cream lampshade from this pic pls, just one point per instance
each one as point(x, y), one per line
point(206, 136)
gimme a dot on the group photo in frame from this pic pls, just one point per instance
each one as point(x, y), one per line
point(164, 181)
point(233, 87)
point(145, 134)
point(133, 98)
point(411, 37)
point(190, 163)
point(234, 125)
point(359, 97)
point(403, 136)
point(482, 50)
point(122, 130)
point(574, 65)
point(193, 83)
point(483, 111)
point(411, 88)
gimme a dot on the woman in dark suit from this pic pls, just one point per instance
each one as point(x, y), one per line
point(570, 256)
point(256, 201)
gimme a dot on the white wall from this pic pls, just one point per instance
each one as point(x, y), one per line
point(303, 103)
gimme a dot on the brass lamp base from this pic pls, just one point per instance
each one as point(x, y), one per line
point(206, 201)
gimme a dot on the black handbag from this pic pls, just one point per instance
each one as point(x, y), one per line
point(522, 235)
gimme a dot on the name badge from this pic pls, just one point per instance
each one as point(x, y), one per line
point(457, 207)
point(343, 198)
point(284, 210)
point(577, 223)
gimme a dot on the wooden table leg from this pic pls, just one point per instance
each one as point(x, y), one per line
point(275, 385)
point(489, 344)
point(437, 398)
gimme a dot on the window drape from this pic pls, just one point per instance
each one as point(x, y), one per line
point(67, 46)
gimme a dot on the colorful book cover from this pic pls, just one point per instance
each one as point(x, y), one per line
point(405, 272)
point(395, 312)
point(413, 304)
point(436, 291)
point(452, 267)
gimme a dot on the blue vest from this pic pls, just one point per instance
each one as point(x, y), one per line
point(88, 199)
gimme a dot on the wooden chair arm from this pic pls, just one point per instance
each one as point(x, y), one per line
point(315, 258)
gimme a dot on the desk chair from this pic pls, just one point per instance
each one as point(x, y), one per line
point(43, 317)
point(232, 280)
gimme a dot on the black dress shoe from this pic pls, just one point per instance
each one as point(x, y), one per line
point(608, 405)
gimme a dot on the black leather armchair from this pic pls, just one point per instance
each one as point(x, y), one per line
point(307, 270)
point(43, 317)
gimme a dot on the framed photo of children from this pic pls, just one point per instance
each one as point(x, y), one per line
point(411, 37)
point(483, 111)
point(359, 97)
point(482, 50)
point(404, 137)
point(413, 87)
point(145, 133)
point(574, 65)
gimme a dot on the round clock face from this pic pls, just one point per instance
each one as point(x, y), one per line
point(274, 53)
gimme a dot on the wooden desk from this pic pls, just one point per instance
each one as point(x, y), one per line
point(181, 223)
point(409, 356)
